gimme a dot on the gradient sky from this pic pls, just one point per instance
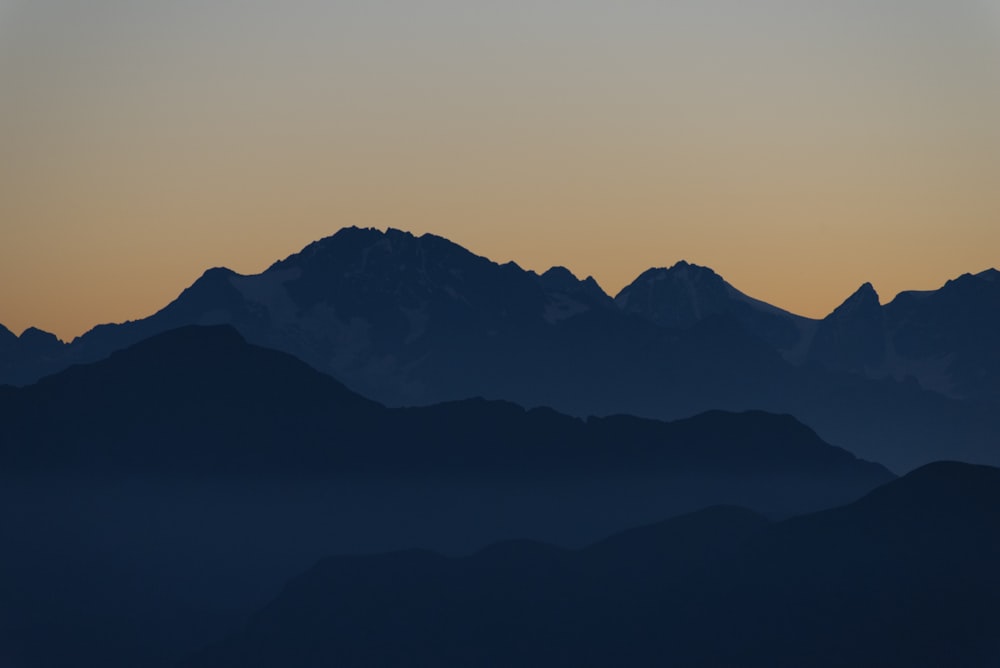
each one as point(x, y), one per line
point(798, 147)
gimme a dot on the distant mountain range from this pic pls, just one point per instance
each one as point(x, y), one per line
point(944, 340)
point(409, 320)
point(903, 577)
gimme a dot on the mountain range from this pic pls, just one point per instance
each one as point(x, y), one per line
point(156, 496)
point(408, 320)
point(404, 404)
point(904, 577)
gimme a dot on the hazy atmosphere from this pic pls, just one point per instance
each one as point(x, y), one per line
point(798, 148)
point(290, 375)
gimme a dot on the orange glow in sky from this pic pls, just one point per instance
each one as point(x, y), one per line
point(798, 148)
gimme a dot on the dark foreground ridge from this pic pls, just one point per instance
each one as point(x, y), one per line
point(904, 577)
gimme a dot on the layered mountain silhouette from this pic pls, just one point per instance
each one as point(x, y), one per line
point(903, 577)
point(202, 401)
point(159, 495)
point(409, 320)
point(160, 479)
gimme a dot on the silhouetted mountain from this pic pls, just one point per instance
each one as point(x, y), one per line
point(515, 603)
point(687, 294)
point(30, 356)
point(409, 320)
point(201, 400)
point(570, 296)
point(956, 325)
point(402, 319)
point(8, 340)
point(193, 399)
point(158, 495)
point(944, 339)
point(38, 343)
point(904, 577)
point(852, 338)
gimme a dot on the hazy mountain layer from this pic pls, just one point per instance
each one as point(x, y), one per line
point(904, 577)
point(156, 497)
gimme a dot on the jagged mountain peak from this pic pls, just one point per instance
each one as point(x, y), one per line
point(356, 242)
point(677, 296)
point(867, 291)
point(34, 341)
point(568, 296)
point(392, 254)
point(853, 337)
point(392, 263)
point(561, 279)
point(967, 282)
point(685, 293)
point(683, 267)
point(972, 283)
point(864, 298)
point(679, 271)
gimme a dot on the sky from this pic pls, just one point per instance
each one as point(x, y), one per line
point(798, 147)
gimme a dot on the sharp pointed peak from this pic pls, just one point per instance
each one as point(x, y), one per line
point(866, 292)
point(864, 298)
